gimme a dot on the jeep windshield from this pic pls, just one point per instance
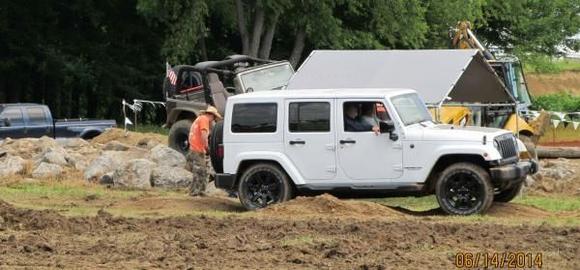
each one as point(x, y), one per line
point(273, 77)
point(411, 109)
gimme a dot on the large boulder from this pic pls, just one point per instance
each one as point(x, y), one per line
point(136, 174)
point(165, 156)
point(10, 165)
point(55, 155)
point(44, 170)
point(170, 177)
point(99, 166)
point(110, 161)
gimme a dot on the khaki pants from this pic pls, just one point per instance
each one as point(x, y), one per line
point(202, 171)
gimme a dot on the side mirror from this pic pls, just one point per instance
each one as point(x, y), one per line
point(249, 90)
point(386, 126)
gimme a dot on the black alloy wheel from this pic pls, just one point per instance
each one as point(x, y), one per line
point(464, 189)
point(264, 184)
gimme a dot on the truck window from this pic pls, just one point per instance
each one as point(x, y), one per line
point(36, 116)
point(361, 116)
point(14, 115)
point(254, 118)
point(309, 117)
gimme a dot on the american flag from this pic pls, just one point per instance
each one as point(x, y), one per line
point(169, 73)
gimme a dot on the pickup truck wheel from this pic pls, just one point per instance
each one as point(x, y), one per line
point(464, 189)
point(508, 194)
point(179, 134)
point(264, 184)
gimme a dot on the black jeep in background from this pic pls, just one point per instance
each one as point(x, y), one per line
point(211, 83)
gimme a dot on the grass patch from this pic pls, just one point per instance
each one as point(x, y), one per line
point(411, 203)
point(150, 128)
point(552, 204)
point(537, 63)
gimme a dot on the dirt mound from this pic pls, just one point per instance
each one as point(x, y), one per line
point(329, 206)
point(541, 84)
point(514, 210)
point(186, 204)
point(556, 176)
point(129, 137)
point(27, 219)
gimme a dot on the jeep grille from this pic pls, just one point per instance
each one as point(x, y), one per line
point(506, 145)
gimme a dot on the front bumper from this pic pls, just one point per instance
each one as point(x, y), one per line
point(225, 181)
point(514, 172)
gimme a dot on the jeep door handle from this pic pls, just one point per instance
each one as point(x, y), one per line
point(297, 142)
point(346, 141)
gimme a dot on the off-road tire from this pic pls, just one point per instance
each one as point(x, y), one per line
point(284, 190)
point(508, 194)
point(178, 136)
point(216, 138)
point(476, 181)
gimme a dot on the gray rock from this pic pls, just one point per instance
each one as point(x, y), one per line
point(55, 156)
point(72, 142)
point(78, 161)
point(115, 146)
point(136, 173)
point(10, 165)
point(170, 177)
point(45, 170)
point(147, 143)
point(99, 166)
point(165, 156)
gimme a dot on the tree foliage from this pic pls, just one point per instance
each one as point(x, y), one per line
point(81, 57)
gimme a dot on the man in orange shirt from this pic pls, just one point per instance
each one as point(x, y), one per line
point(198, 146)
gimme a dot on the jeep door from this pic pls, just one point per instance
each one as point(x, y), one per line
point(363, 155)
point(309, 137)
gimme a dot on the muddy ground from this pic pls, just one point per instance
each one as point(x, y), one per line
point(166, 229)
point(307, 233)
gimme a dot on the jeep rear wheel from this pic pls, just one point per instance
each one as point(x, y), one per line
point(508, 194)
point(179, 135)
point(264, 184)
point(464, 189)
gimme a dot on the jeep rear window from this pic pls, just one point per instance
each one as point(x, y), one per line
point(254, 118)
point(309, 117)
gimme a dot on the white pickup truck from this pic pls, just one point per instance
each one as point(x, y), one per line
point(274, 145)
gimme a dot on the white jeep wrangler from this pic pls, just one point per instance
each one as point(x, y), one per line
point(276, 144)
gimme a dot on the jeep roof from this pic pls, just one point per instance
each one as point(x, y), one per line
point(324, 93)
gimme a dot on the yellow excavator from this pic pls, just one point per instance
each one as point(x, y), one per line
point(520, 121)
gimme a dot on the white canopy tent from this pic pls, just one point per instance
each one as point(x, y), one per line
point(455, 76)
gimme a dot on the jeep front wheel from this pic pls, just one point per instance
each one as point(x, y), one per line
point(464, 189)
point(264, 184)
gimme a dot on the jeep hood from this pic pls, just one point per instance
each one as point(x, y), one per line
point(457, 133)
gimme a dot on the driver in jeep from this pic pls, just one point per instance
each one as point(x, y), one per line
point(353, 122)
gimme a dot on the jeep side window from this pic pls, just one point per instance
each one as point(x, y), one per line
point(361, 116)
point(309, 117)
point(254, 118)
